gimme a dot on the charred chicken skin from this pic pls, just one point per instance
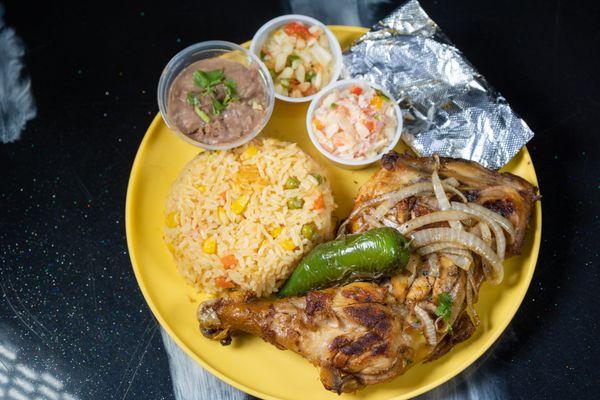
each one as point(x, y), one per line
point(365, 333)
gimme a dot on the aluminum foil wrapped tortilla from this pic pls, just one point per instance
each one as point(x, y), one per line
point(450, 109)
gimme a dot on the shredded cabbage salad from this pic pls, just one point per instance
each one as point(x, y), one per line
point(355, 122)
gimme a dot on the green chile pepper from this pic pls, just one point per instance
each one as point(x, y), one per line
point(371, 255)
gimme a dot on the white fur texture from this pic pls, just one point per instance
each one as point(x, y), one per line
point(16, 101)
point(191, 382)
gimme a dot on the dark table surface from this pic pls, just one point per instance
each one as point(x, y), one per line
point(71, 312)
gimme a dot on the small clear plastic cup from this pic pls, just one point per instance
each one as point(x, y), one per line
point(336, 51)
point(342, 162)
point(205, 50)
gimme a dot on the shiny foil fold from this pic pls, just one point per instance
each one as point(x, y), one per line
point(449, 108)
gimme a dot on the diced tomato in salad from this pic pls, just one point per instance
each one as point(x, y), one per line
point(356, 90)
point(370, 124)
point(297, 29)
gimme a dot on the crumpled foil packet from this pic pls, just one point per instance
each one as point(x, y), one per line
point(449, 108)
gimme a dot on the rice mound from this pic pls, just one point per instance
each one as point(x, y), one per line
point(228, 224)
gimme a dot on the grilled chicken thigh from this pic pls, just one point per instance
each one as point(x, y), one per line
point(504, 193)
point(365, 333)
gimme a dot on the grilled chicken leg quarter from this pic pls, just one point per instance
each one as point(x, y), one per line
point(366, 333)
point(354, 333)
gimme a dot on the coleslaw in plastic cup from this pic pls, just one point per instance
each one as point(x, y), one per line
point(330, 139)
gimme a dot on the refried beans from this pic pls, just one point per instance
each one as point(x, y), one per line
point(216, 101)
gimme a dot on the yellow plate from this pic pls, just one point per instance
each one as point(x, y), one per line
point(249, 363)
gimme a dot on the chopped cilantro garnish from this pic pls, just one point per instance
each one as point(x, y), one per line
point(230, 91)
point(230, 87)
point(217, 106)
point(310, 75)
point(207, 81)
point(192, 100)
point(291, 58)
point(444, 308)
point(200, 79)
point(202, 114)
point(333, 105)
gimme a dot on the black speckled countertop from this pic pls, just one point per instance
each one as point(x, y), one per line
point(73, 322)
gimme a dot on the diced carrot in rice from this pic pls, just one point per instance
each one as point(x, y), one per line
point(224, 283)
point(229, 261)
point(319, 203)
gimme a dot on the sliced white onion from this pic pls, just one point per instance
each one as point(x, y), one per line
point(459, 251)
point(470, 299)
point(434, 247)
point(413, 264)
point(498, 234)
point(371, 221)
point(428, 326)
point(451, 181)
point(470, 290)
point(438, 216)
point(466, 254)
point(441, 326)
point(471, 222)
point(438, 189)
point(475, 244)
point(500, 240)
point(427, 306)
point(434, 265)
point(455, 191)
point(471, 280)
point(486, 234)
point(389, 223)
point(400, 195)
point(442, 199)
point(460, 257)
point(499, 219)
point(458, 297)
point(461, 261)
point(391, 197)
point(487, 271)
